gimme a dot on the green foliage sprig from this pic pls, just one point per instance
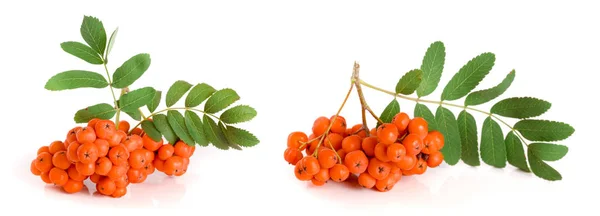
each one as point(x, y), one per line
point(490, 144)
point(215, 123)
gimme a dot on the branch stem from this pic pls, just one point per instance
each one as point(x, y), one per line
point(112, 91)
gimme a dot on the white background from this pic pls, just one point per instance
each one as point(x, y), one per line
point(292, 61)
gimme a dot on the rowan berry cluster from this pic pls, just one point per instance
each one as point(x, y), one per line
point(378, 158)
point(111, 158)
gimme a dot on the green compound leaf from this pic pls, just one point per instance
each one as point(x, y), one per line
point(521, 107)
point(155, 101)
point(195, 128)
point(136, 99)
point(214, 133)
point(241, 137)
point(151, 130)
point(468, 77)
point(544, 130)
point(515, 153)
point(74, 79)
point(162, 124)
point(131, 70)
point(177, 122)
point(92, 31)
point(486, 95)
point(198, 94)
point(493, 149)
point(101, 111)
point(541, 168)
point(448, 126)
point(238, 114)
point(220, 100)
point(176, 91)
point(82, 51)
point(389, 112)
point(424, 112)
point(432, 67)
point(409, 82)
point(548, 151)
point(467, 126)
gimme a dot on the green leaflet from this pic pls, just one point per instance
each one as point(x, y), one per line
point(177, 123)
point(548, 151)
point(241, 137)
point(521, 107)
point(493, 149)
point(151, 130)
point(195, 128)
point(155, 101)
point(136, 99)
point(409, 82)
point(111, 42)
point(220, 100)
point(176, 91)
point(93, 33)
point(134, 114)
point(541, 168)
point(74, 79)
point(101, 111)
point(432, 67)
point(389, 112)
point(486, 95)
point(468, 77)
point(448, 126)
point(421, 110)
point(162, 124)
point(544, 130)
point(82, 52)
point(467, 126)
point(214, 134)
point(131, 70)
point(198, 94)
point(514, 152)
point(238, 114)
point(231, 144)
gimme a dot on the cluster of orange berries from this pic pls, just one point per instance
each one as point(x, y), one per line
point(111, 158)
point(379, 160)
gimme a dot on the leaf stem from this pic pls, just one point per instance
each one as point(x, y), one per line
point(113, 94)
point(418, 100)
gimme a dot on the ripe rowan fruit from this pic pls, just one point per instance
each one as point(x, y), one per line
point(352, 143)
point(58, 176)
point(60, 160)
point(338, 124)
point(435, 159)
point(366, 180)
point(87, 152)
point(106, 186)
point(72, 186)
point(150, 144)
point(401, 120)
point(102, 146)
point(34, 170)
point(378, 169)
point(166, 151)
point(296, 139)
point(86, 135)
point(381, 152)
point(419, 127)
point(368, 145)
point(395, 152)
point(291, 155)
point(320, 125)
point(413, 144)
point(387, 133)
point(322, 175)
point(56, 146)
point(339, 173)
point(327, 158)
point(356, 162)
point(43, 162)
point(310, 165)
